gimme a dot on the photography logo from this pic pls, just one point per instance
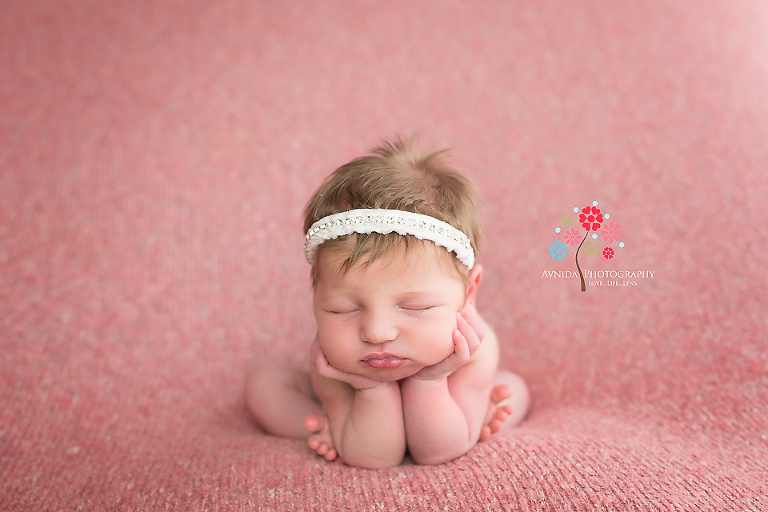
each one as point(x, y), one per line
point(602, 237)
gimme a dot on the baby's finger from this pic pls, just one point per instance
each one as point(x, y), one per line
point(461, 348)
point(474, 321)
point(465, 328)
point(319, 358)
point(325, 368)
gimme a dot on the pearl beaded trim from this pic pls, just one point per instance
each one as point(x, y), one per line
point(404, 223)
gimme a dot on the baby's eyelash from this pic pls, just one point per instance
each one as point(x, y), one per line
point(333, 312)
point(419, 309)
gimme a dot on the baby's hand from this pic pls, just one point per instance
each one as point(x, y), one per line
point(466, 341)
point(324, 368)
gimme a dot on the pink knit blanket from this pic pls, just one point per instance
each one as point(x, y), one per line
point(155, 158)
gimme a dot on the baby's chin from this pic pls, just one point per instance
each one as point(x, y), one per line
point(391, 375)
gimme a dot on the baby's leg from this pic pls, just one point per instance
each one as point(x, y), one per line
point(284, 404)
point(509, 403)
point(280, 397)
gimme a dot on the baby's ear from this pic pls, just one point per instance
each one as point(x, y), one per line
point(473, 283)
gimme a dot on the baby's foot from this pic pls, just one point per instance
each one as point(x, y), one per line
point(320, 440)
point(497, 413)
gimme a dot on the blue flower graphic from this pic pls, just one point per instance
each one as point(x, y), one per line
point(557, 250)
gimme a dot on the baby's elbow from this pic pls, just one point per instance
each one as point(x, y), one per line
point(430, 460)
point(380, 461)
point(434, 460)
point(437, 458)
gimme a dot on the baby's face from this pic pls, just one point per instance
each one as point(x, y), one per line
point(391, 319)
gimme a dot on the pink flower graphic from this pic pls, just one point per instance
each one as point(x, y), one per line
point(572, 237)
point(612, 233)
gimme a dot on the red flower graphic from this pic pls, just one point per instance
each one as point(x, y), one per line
point(572, 237)
point(612, 233)
point(591, 218)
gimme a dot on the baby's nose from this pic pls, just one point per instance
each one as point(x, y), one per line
point(377, 328)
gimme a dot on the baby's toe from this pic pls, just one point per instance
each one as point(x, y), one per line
point(322, 449)
point(501, 393)
point(313, 423)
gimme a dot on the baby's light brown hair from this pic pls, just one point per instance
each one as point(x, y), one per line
point(395, 176)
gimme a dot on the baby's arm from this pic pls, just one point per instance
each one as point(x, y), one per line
point(365, 416)
point(445, 404)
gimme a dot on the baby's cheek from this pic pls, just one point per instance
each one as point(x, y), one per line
point(441, 343)
point(334, 351)
point(335, 354)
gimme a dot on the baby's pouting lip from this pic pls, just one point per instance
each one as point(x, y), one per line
point(384, 361)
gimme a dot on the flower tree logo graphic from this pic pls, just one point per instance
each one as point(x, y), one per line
point(592, 219)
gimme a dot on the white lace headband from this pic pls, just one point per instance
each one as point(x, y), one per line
point(404, 223)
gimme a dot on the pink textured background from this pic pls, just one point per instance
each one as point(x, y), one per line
point(154, 161)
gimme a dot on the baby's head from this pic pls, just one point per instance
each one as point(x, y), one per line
point(396, 176)
point(391, 238)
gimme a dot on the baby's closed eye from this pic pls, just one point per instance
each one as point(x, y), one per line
point(417, 309)
point(342, 311)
